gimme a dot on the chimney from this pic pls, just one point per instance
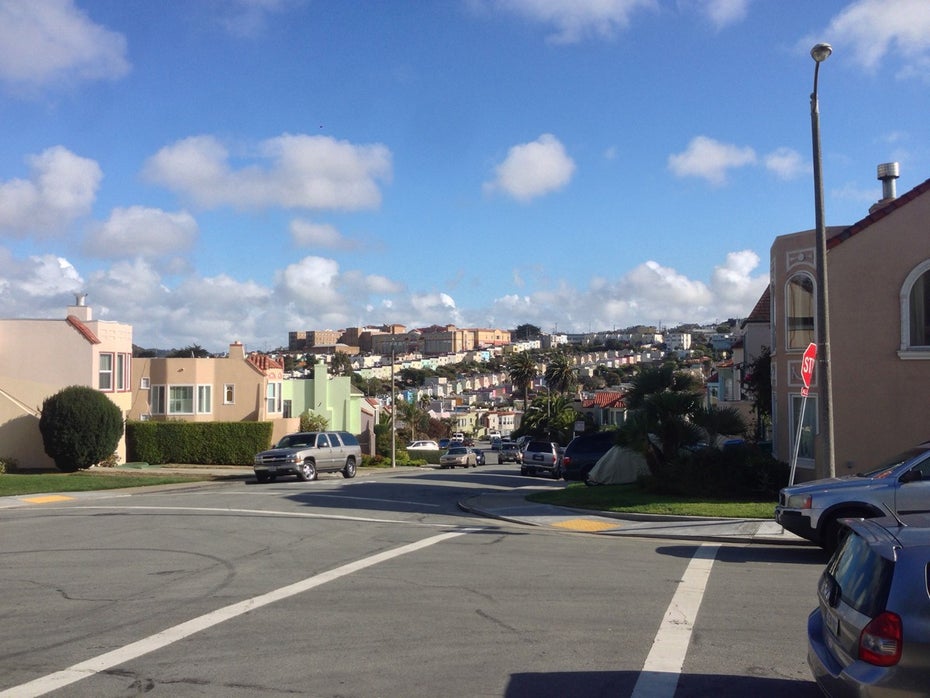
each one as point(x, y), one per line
point(80, 309)
point(887, 172)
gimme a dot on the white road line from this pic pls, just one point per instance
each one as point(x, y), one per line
point(659, 677)
point(83, 670)
point(258, 512)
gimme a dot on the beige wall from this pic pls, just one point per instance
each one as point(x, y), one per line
point(38, 358)
point(877, 394)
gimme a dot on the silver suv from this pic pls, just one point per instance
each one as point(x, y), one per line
point(307, 453)
point(901, 486)
point(870, 633)
point(541, 457)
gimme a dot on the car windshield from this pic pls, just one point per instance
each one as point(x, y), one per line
point(458, 451)
point(885, 469)
point(295, 440)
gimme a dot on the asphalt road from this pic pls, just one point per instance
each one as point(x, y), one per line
point(382, 586)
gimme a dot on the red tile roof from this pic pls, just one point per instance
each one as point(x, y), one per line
point(263, 362)
point(83, 329)
point(604, 399)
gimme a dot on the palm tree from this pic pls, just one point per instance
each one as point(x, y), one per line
point(411, 414)
point(717, 420)
point(522, 370)
point(560, 374)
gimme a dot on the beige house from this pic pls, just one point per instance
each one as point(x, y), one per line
point(879, 294)
point(235, 388)
point(40, 357)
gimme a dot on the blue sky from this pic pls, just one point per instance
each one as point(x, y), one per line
point(220, 170)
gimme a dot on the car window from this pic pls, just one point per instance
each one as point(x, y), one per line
point(348, 439)
point(863, 576)
point(322, 441)
point(593, 444)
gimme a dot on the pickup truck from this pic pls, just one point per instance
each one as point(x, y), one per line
point(305, 454)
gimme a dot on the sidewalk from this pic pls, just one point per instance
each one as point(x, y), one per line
point(513, 506)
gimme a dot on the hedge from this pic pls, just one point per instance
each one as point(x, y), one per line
point(201, 443)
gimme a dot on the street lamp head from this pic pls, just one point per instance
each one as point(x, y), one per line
point(821, 52)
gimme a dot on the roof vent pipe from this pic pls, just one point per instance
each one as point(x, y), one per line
point(888, 173)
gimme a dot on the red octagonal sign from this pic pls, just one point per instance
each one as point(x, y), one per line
point(807, 366)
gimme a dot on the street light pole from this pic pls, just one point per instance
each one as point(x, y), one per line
point(826, 462)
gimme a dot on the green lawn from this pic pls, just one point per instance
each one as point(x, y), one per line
point(12, 484)
point(631, 499)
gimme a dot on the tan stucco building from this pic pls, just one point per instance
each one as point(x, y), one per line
point(879, 295)
point(40, 357)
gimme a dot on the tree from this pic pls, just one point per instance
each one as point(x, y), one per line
point(80, 427)
point(522, 370)
point(717, 421)
point(758, 384)
point(560, 374)
point(340, 364)
point(311, 421)
point(525, 331)
point(412, 415)
point(193, 351)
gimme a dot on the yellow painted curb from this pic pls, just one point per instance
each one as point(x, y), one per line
point(585, 525)
point(47, 499)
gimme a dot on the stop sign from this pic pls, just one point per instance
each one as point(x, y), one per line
point(807, 366)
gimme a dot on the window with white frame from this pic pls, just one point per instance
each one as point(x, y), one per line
point(229, 394)
point(122, 371)
point(157, 399)
point(915, 311)
point(204, 399)
point(808, 426)
point(105, 372)
point(273, 400)
point(181, 399)
point(144, 383)
point(799, 311)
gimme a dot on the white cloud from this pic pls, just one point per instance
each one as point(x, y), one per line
point(869, 30)
point(248, 18)
point(710, 159)
point(574, 20)
point(312, 282)
point(292, 171)
point(724, 13)
point(786, 163)
point(61, 188)
point(138, 231)
point(533, 169)
point(306, 233)
point(51, 42)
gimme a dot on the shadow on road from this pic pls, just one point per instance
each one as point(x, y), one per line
point(622, 683)
point(777, 554)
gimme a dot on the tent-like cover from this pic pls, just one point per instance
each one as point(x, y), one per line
point(618, 466)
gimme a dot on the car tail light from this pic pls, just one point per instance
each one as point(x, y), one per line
point(566, 460)
point(881, 641)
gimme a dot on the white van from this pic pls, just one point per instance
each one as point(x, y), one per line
point(458, 437)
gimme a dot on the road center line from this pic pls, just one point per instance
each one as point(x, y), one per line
point(659, 677)
point(108, 660)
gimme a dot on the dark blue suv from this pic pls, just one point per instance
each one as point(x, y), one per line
point(584, 451)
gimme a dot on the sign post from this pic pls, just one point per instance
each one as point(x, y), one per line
point(807, 372)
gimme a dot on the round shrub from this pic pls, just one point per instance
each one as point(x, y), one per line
point(80, 426)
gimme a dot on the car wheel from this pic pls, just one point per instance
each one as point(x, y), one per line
point(349, 470)
point(523, 471)
point(833, 532)
point(307, 471)
point(261, 477)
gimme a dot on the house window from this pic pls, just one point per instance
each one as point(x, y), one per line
point(808, 427)
point(157, 399)
point(122, 371)
point(799, 311)
point(144, 383)
point(105, 373)
point(204, 399)
point(273, 402)
point(229, 394)
point(915, 311)
point(181, 399)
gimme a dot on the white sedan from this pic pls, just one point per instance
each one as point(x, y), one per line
point(423, 445)
point(458, 455)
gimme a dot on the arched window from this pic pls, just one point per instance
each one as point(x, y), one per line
point(799, 311)
point(915, 310)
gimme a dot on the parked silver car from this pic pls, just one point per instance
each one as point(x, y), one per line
point(870, 633)
point(458, 455)
point(541, 457)
point(812, 510)
point(305, 454)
